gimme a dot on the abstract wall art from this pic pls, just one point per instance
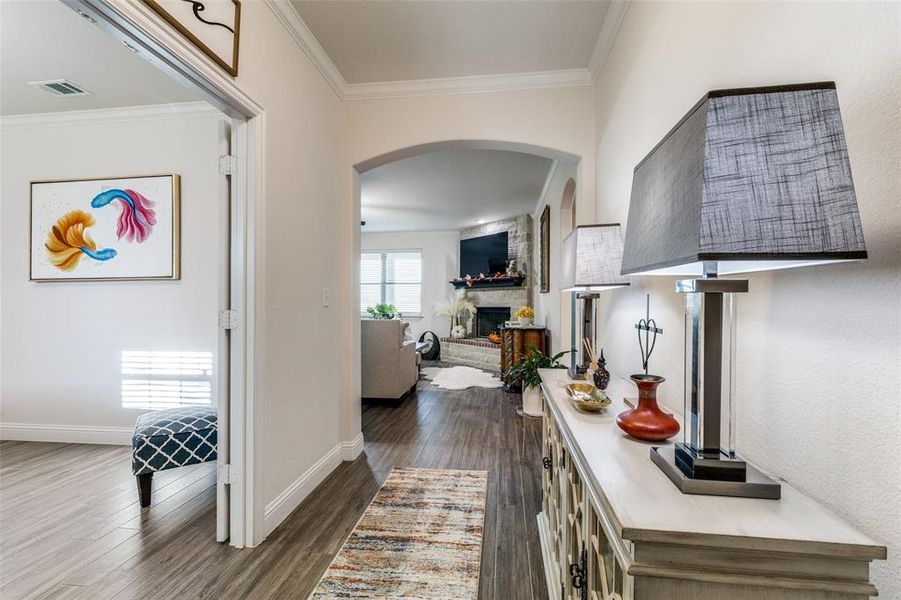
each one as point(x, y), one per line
point(105, 229)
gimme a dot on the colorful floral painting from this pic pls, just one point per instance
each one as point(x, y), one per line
point(97, 229)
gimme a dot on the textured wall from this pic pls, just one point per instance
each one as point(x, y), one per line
point(819, 360)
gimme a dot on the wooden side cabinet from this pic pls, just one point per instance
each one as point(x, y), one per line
point(515, 342)
point(613, 527)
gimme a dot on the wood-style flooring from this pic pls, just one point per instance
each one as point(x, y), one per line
point(71, 527)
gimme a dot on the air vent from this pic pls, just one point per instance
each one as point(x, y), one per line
point(61, 87)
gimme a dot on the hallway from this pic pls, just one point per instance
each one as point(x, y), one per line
point(168, 551)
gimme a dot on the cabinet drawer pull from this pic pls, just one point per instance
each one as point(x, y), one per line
point(547, 462)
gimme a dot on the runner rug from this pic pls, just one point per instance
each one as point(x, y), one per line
point(421, 537)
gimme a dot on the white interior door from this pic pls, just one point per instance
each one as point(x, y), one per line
point(222, 382)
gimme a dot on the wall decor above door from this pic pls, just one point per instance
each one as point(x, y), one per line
point(214, 26)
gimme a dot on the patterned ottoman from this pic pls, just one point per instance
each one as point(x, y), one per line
point(175, 437)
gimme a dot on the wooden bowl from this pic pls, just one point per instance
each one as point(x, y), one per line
point(587, 397)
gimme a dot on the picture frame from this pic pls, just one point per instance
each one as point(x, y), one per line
point(544, 231)
point(214, 26)
point(105, 229)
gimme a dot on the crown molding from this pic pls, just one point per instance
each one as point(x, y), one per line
point(301, 34)
point(126, 114)
point(287, 15)
point(469, 85)
point(613, 18)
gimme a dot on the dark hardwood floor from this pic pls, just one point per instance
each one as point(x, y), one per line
point(70, 525)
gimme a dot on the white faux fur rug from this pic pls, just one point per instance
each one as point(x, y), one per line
point(460, 378)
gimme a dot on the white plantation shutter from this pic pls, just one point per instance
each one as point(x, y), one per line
point(392, 278)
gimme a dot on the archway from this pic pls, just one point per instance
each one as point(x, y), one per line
point(353, 417)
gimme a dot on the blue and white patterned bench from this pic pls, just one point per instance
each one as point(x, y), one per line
point(166, 439)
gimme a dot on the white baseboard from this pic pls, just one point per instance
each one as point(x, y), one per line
point(282, 506)
point(70, 434)
point(352, 449)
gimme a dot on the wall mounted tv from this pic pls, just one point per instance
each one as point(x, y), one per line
point(486, 254)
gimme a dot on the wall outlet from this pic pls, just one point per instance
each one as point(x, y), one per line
point(326, 297)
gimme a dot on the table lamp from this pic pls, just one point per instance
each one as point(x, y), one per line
point(750, 179)
point(592, 261)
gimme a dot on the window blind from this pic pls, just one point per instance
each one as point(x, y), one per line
point(392, 278)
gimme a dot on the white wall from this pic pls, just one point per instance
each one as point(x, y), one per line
point(819, 352)
point(440, 264)
point(560, 119)
point(63, 341)
point(549, 307)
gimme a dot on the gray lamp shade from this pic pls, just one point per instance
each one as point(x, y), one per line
point(754, 178)
point(592, 258)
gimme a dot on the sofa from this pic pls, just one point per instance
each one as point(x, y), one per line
point(390, 366)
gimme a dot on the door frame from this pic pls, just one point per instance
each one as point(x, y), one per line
point(133, 24)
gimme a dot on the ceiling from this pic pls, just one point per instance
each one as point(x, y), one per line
point(46, 40)
point(395, 40)
point(451, 189)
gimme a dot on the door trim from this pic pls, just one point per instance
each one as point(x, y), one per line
point(134, 24)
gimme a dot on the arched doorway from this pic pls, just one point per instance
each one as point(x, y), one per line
point(353, 414)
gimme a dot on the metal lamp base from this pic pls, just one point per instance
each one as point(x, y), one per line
point(754, 485)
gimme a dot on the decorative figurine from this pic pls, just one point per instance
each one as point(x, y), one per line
point(646, 421)
point(598, 366)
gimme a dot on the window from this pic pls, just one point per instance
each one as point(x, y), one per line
point(392, 278)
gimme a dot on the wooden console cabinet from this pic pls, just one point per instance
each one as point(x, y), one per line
point(613, 526)
point(515, 342)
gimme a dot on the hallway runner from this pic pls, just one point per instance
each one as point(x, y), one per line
point(421, 537)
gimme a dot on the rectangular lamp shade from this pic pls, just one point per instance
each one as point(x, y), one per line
point(753, 178)
point(592, 258)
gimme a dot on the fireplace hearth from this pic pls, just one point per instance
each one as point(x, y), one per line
point(490, 318)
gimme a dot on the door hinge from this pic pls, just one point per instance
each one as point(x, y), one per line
point(226, 474)
point(228, 164)
point(228, 319)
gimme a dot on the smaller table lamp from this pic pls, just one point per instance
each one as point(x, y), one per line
point(592, 261)
point(750, 179)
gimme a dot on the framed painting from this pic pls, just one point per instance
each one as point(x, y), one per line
point(105, 229)
point(214, 26)
point(545, 247)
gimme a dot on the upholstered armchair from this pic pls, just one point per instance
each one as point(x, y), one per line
point(389, 363)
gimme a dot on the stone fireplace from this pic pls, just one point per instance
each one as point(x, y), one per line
point(489, 319)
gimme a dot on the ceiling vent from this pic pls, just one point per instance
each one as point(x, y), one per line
point(60, 87)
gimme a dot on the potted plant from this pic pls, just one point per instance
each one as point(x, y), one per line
point(526, 371)
point(455, 306)
point(381, 311)
point(525, 314)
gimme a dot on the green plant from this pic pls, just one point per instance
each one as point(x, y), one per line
point(382, 311)
point(526, 370)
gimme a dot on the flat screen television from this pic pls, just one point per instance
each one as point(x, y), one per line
point(486, 254)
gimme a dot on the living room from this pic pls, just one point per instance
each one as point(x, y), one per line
point(452, 246)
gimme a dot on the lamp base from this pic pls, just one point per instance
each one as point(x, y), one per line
point(717, 466)
point(754, 485)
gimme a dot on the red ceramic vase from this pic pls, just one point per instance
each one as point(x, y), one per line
point(646, 421)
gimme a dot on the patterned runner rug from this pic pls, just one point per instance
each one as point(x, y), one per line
point(421, 537)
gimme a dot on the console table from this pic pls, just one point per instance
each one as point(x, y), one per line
point(515, 342)
point(613, 526)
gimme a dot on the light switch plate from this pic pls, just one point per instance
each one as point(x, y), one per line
point(326, 297)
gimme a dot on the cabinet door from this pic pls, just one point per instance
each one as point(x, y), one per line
point(550, 481)
point(606, 577)
point(575, 526)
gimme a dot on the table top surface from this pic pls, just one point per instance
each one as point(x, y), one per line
point(647, 506)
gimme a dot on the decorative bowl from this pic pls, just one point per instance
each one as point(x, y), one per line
point(586, 397)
